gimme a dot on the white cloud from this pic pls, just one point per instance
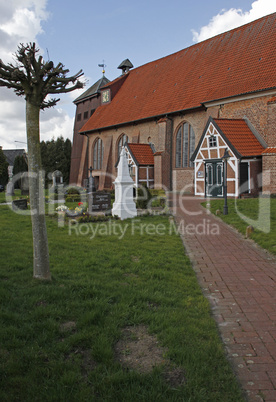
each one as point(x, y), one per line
point(12, 122)
point(229, 19)
point(24, 24)
point(8, 8)
point(20, 22)
point(56, 123)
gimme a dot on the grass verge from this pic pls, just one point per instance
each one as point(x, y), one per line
point(257, 212)
point(57, 339)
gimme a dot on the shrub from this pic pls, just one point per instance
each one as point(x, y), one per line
point(144, 196)
point(73, 198)
point(74, 190)
point(159, 202)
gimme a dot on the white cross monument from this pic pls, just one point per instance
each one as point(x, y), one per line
point(124, 206)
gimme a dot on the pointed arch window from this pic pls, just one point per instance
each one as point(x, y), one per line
point(184, 146)
point(98, 151)
point(122, 140)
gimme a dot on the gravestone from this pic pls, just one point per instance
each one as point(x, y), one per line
point(19, 204)
point(10, 189)
point(57, 178)
point(25, 184)
point(101, 201)
point(98, 201)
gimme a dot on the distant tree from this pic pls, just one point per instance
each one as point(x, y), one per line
point(4, 173)
point(67, 160)
point(56, 155)
point(35, 79)
point(20, 166)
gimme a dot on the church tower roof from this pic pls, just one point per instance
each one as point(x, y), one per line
point(93, 90)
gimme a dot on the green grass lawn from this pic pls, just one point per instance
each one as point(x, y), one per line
point(17, 194)
point(57, 339)
point(262, 212)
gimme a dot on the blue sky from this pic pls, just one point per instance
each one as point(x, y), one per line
point(145, 30)
point(84, 33)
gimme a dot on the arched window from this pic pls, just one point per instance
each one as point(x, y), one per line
point(122, 140)
point(184, 146)
point(98, 151)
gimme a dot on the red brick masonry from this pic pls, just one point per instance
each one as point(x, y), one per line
point(239, 279)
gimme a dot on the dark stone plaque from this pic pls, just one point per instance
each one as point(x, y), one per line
point(19, 204)
point(101, 201)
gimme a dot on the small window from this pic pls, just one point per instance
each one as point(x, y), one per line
point(92, 111)
point(212, 141)
point(85, 115)
point(79, 117)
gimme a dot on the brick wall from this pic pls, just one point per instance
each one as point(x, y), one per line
point(255, 176)
point(269, 174)
point(183, 180)
point(83, 109)
point(260, 111)
point(158, 171)
point(270, 130)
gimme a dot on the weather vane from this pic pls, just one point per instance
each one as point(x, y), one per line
point(103, 66)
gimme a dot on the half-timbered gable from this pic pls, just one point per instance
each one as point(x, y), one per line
point(245, 147)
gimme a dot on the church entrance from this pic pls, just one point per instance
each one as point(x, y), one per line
point(214, 178)
point(244, 177)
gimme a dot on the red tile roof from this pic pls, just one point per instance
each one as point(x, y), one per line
point(240, 136)
point(236, 62)
point(142, 153)
point(269, 150)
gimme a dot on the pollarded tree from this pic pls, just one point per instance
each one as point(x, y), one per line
point(35, 79)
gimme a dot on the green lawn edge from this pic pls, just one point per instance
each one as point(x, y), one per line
point(103, 284)
point(260, 213)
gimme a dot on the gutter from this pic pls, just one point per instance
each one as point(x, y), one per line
point(155, 117)
point(219, 101)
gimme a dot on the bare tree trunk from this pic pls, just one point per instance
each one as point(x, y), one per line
point(41, 266)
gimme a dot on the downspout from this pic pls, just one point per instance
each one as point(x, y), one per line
point(239, 178)
point(171, 155)
point(249, 178)
point(87, 156)
point(137, 177)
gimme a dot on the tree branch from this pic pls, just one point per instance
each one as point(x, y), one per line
point(35, 78)
point(60, 89)
point(18, 87)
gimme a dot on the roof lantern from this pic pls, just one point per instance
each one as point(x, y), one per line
point(125, 66)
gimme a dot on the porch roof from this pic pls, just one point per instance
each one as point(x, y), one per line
point(240, 136)
point(141, 153)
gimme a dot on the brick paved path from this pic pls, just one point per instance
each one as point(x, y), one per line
point(239, 279)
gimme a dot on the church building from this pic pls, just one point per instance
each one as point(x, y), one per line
point(176, 116)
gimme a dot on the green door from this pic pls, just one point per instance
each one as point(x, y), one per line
point(214, 178)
